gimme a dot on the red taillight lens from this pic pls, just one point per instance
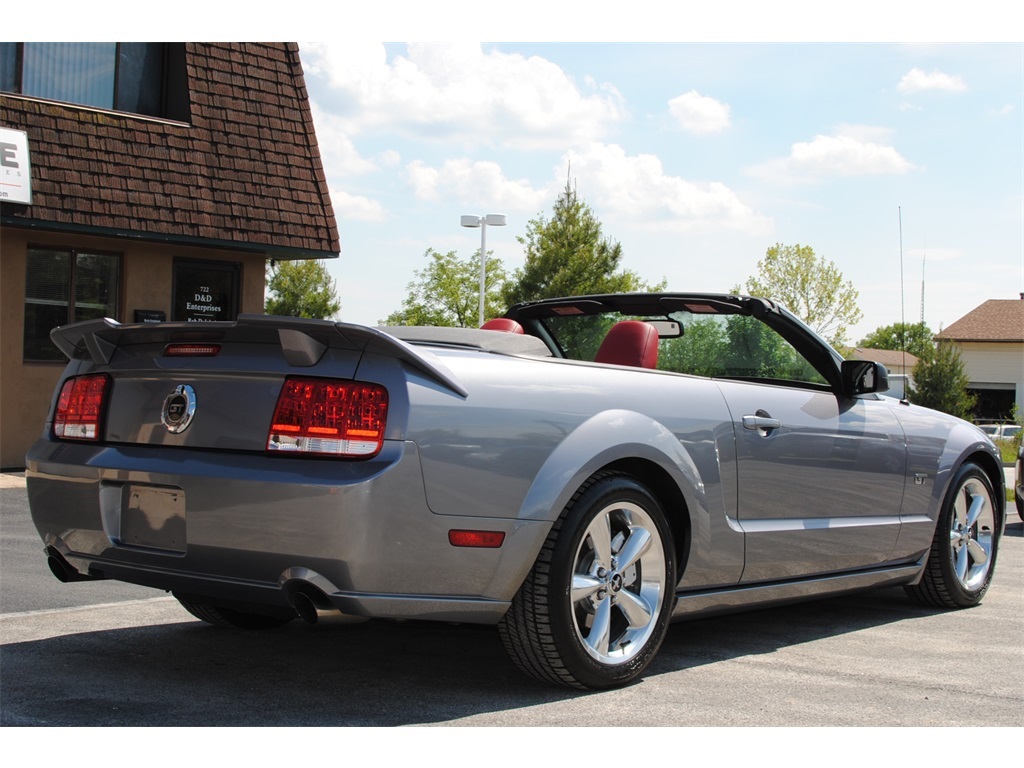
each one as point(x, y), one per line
point(320, 416)
point(80, 408)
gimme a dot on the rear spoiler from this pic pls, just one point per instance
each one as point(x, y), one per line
point(303, 341)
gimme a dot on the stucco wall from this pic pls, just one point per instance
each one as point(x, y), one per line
point(26, 389)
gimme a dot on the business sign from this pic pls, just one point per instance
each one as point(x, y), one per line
point(204, 291)
point(15, 169)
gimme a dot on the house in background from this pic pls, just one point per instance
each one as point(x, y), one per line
point(991, 343)
point(144, 182)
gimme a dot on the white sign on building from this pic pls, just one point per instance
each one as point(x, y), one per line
point(15, 169)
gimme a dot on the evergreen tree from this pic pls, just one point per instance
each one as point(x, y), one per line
point(941, 383)
point(301, 289)
point(567, 256)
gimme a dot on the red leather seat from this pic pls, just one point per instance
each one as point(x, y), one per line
point(630, 342)
point(502, 324)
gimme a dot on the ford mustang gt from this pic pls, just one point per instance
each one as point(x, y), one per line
point(579, 472)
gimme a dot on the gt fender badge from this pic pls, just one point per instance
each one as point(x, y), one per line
point(179, 408)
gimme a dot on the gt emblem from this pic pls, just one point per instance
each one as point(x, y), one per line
point(179, 408)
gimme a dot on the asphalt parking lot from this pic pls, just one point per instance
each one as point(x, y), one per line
point(135, 658)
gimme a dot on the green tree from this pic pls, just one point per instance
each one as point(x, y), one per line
point(301, 289)
point(940, 382)
point(810, 287)
point(447, 292)
point(914, 338)
point(567, 256)
point(698, 351)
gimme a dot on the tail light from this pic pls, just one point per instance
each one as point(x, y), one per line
point(322, 416)
point(80, 408)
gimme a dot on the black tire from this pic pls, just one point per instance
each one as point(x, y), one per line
point(229, 617)
point(609, 556)
point(963, 552)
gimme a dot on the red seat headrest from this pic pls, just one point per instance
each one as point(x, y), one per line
point(630, 342)
point(502, 324)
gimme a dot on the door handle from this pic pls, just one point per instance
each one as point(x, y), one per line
point(762, 422)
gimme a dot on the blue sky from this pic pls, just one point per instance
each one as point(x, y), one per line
point(696, 157)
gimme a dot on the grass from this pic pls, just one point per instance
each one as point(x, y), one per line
point(1008, 448)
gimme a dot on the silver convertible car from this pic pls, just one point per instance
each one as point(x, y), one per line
point(579, 473)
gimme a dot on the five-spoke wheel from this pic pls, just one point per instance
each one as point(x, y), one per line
point(618, 582)
point(963, 552)
point(595, 608)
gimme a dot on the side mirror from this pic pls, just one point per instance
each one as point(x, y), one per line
point(863, 376)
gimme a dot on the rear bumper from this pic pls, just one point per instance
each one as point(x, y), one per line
point(244, 528)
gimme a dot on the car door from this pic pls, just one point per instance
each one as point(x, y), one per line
point(820, 475)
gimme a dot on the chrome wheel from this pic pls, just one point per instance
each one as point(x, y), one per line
point(617, 583)
point(595, 608)
point(963, 551)
point(971, 533)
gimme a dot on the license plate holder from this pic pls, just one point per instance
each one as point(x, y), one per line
point(153, 517)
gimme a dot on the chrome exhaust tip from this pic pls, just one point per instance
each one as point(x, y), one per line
point(314, 608)
point(63, 570)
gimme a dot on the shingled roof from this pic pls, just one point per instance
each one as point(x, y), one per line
point(995, 320)
point(890, 358)
point(244, 172)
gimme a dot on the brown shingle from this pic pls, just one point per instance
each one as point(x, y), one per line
point(890, 358)
point(995, 320)
point(234, 161)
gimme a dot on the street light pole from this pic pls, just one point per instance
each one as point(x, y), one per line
point(495, 220)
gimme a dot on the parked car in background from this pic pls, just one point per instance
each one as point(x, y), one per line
point(1000, 430)
point(578, 473)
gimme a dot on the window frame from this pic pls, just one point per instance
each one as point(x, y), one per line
point(73, 253)
point(172, 100)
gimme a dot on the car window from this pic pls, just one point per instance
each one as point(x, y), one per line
point(735, 346)
point(714, 345)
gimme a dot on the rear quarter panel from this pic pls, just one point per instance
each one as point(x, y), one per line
point(531, 431)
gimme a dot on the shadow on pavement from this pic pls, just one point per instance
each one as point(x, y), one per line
point(372, 674)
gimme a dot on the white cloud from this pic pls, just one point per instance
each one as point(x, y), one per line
point(356, 207)
point(460, 92)
point(471, 181)
point(918, 80)
point(852, 151)
point(699, 114)
point(845, 156)
point(636, 188)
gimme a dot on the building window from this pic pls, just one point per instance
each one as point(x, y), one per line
point(66, 286)
point(142, 78)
